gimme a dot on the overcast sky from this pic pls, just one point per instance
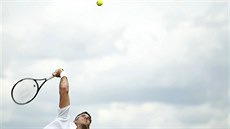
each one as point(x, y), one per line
point(130, 63)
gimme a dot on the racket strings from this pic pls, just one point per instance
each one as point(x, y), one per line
point(25, 91)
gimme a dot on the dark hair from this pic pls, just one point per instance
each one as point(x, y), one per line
point(85, 113)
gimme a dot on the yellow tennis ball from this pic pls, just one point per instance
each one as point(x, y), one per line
point(99, 2)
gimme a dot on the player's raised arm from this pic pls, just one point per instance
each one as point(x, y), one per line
point(63, 88)
point(82, 120)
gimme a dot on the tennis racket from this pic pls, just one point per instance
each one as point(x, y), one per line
point(25, 90)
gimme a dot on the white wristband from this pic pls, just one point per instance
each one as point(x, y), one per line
point(63, 73)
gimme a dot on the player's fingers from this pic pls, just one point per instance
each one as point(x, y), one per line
point(57, 72)
point(54, 74)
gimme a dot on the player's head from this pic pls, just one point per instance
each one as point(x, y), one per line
point(83, 118)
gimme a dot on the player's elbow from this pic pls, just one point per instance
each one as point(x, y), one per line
point(64, 89)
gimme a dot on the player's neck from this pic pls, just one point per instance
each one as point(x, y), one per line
point(82, 126)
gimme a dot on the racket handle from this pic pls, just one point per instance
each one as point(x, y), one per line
point(50, 78)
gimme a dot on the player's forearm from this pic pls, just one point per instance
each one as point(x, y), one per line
point(64, 85)
point(64, 90)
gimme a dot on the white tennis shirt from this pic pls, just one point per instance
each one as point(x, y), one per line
point(62, 120)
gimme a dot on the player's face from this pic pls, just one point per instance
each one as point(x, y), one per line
point(82, 119)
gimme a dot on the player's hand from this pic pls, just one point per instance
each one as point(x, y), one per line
point(57, 72)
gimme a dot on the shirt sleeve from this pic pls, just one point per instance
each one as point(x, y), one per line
point(63, 113)
point(62, 120)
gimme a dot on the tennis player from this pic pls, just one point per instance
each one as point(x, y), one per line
point(82, 120)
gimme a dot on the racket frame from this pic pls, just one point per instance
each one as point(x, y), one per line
point(37, 86)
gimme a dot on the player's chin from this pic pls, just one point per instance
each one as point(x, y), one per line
point(83, 122)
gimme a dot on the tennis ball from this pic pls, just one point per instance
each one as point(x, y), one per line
point(99, 2)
